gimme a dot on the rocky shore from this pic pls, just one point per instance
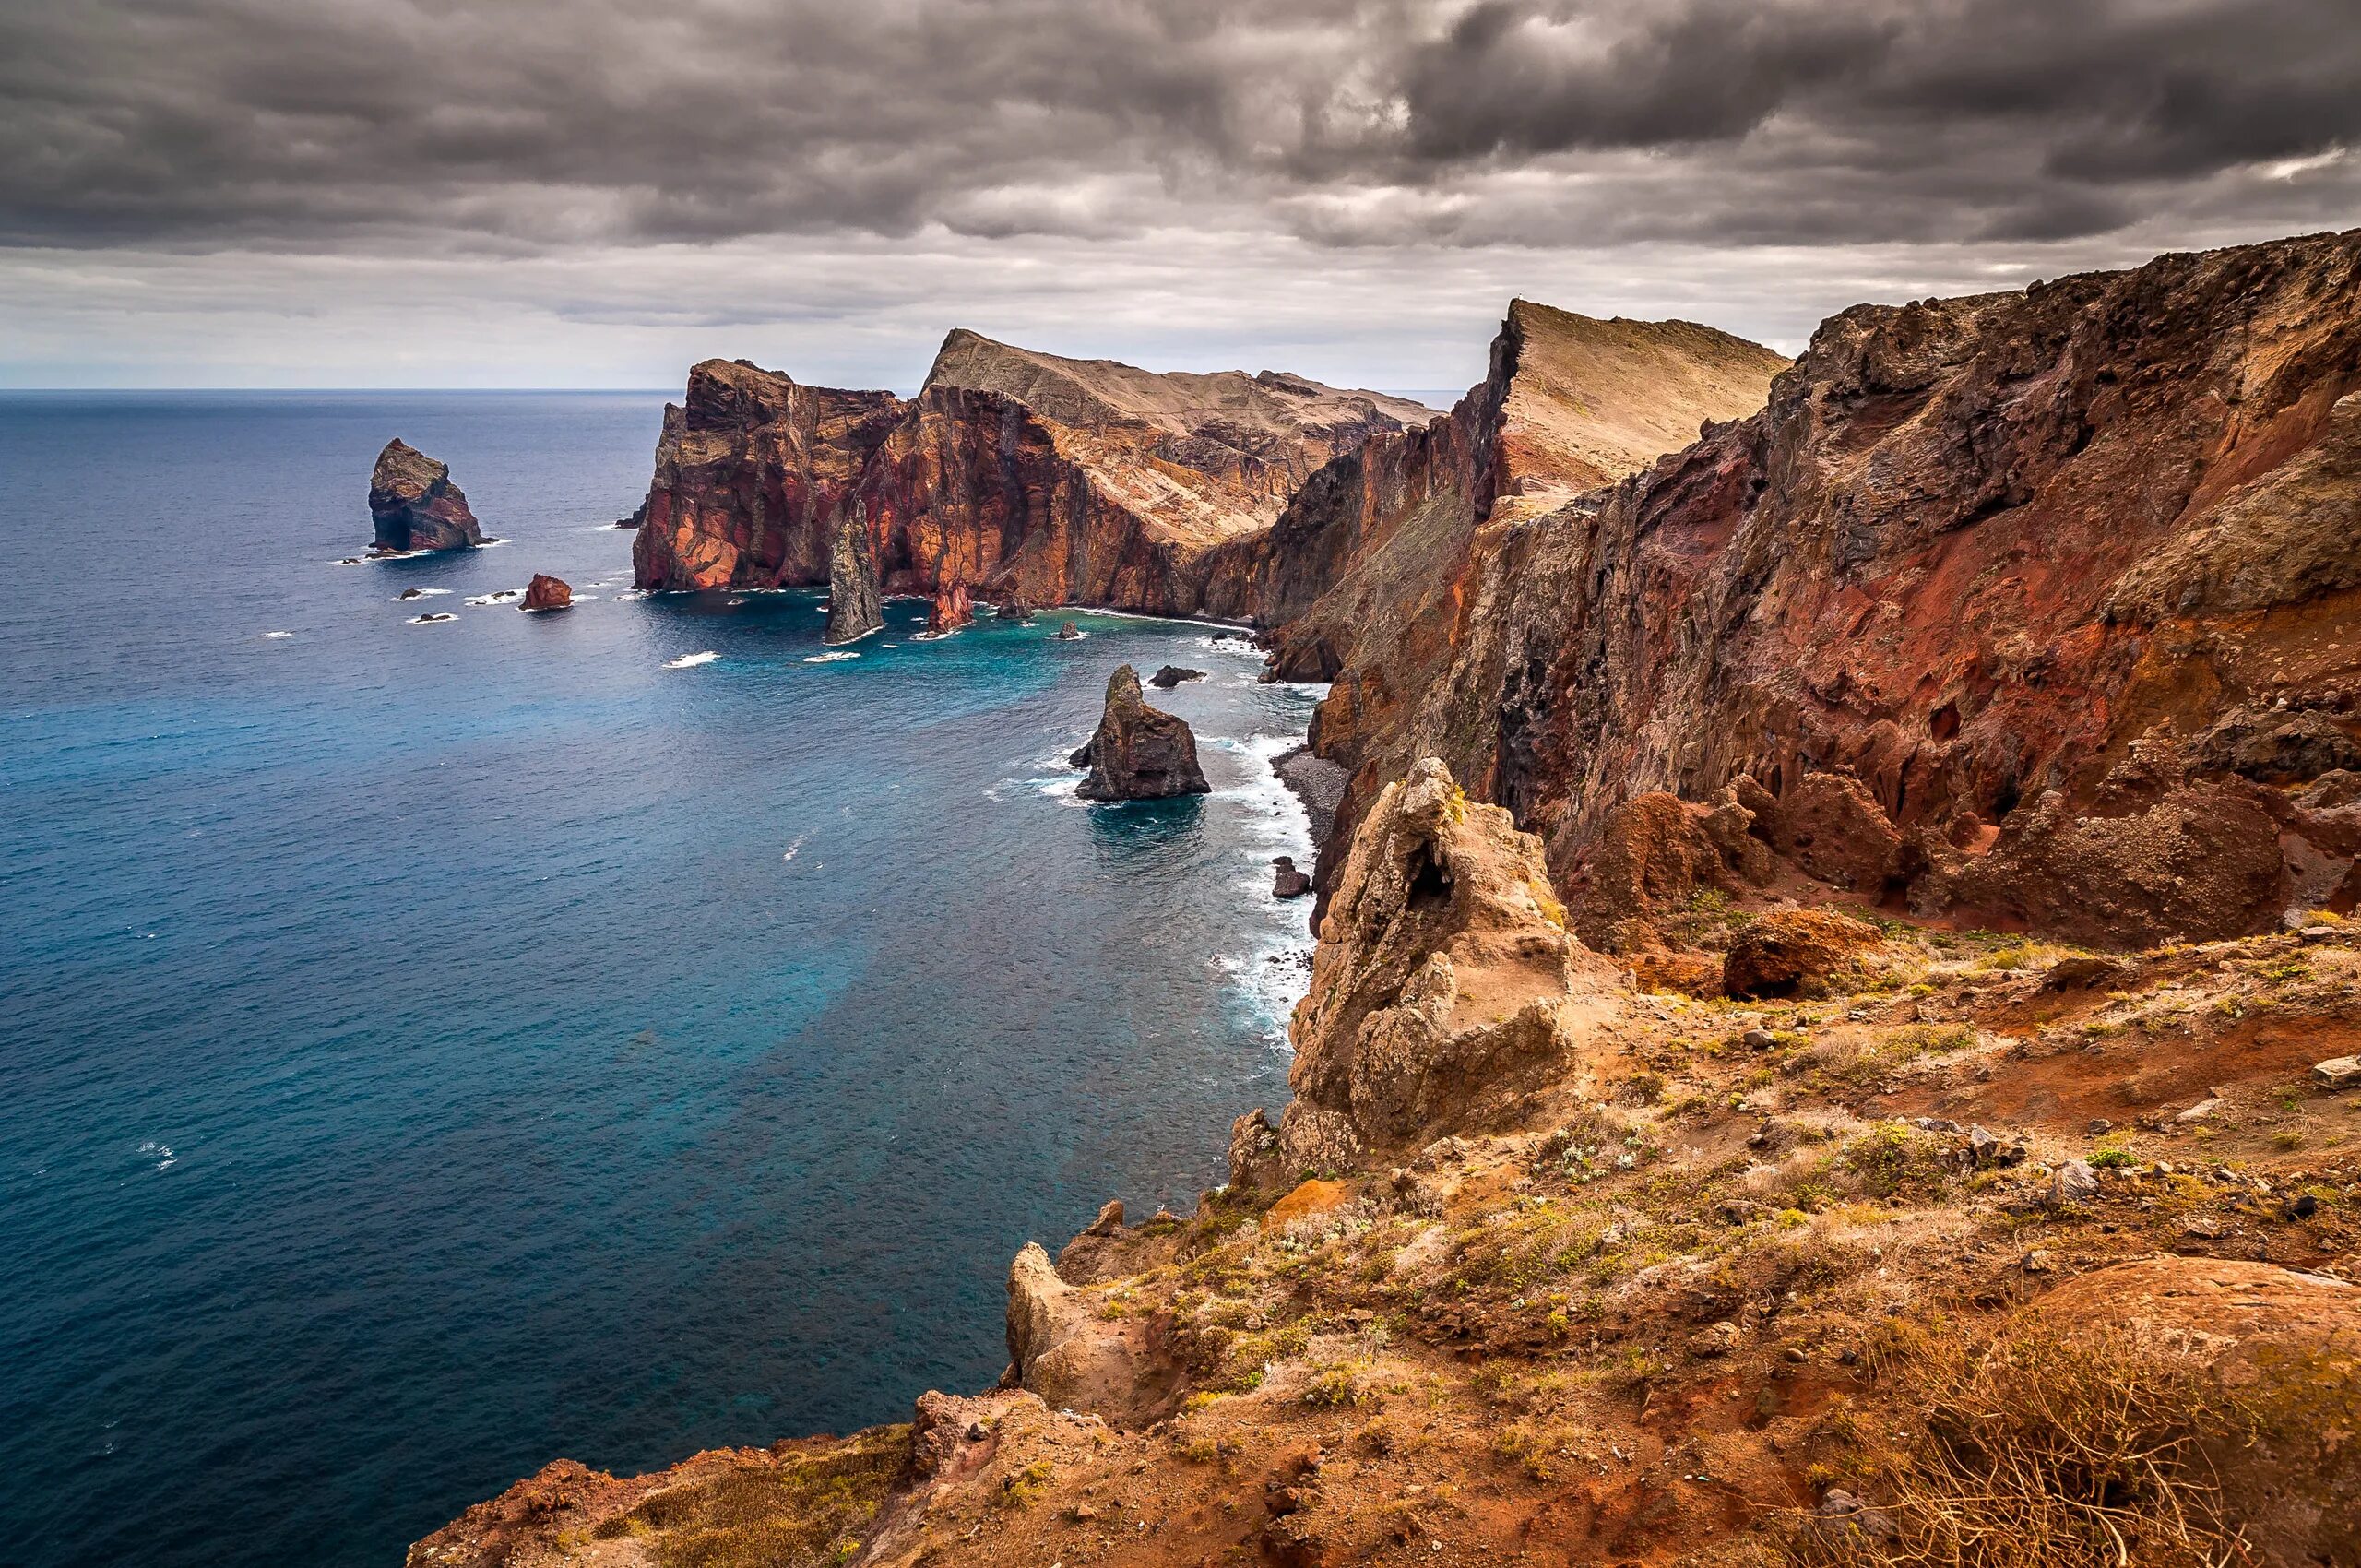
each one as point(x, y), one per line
point(1831, 1033)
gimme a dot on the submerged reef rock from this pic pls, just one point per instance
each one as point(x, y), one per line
point(1139, 752)
point(414, 506)
point(545, 592)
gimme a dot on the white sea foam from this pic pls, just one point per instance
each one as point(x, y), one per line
point(833, 656)
point(691, 660)
point(734, 603)
point(409, 594)
point(275, 635)
point(800, 839)
point(498, 596)
point(633, 593)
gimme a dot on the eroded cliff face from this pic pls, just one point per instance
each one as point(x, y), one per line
point(1368, 576)
point(2061, 581)
point(751, 471)
point(1013, 474)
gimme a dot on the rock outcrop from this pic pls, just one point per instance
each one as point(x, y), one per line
point(855, 606)
point(1287, 882)
point(1446, 990)
point(950, 608)
point(1172, 675)
point(2028, 607)
point(1138, 753)
point(1034, 479)
point(545, 592)
point(414, 506)
point(1062, 1347)
point(753, 471)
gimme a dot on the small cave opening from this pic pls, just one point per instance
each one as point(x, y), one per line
point(1430, 882)
point(1944, 723)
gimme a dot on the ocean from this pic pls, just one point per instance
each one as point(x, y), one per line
point(427, 1051)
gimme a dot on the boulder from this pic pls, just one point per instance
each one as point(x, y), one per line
point(1788, 952)
point(1287, 882)
point(414, 506)
point(1172, 675)
point(1139, 752)
point(1068, 632)
point(1012, 607)
point(545, 592)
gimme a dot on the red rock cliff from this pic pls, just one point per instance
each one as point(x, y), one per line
point(1025, 475)
point(2066, 578)
point(750, 471)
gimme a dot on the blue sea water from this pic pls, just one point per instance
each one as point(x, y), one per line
point(427, 1051)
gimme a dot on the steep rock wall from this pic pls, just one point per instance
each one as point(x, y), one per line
point(2067, 578)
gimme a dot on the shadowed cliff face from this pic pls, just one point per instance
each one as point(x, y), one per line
point(1015, 473)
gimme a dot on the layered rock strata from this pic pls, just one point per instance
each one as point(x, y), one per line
point(414, 506)
point(2033, 608)
point(1138, 753)
point(1032, 479)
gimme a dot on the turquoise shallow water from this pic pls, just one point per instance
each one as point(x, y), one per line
point(428, 1050)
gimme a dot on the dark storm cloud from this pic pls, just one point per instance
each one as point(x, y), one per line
point(533, 125)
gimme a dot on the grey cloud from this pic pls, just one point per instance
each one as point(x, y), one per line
point(538, 125)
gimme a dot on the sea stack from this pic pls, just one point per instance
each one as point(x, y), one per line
point(1068, 632)
point(855, 609)
point(1139, 752)
point(1012, 607)
point(1287, 882)
point(414, 506)
point(545, 592)
point(952, 608)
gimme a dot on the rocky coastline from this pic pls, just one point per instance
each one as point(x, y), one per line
point(1833, 988)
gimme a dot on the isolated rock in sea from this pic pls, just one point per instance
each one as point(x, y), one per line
point(1445, 989)
point(1172, 675)
point(950, 608)
point(1139, 752)
point(414, 506)
point(1012, 607)
point(545, 592)
point(1285, 881)
point(855, 607)
point(1068, 632)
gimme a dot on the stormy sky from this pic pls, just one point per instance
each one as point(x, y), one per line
point(597, 191)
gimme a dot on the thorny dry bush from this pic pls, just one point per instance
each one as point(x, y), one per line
point(2038, 1449)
